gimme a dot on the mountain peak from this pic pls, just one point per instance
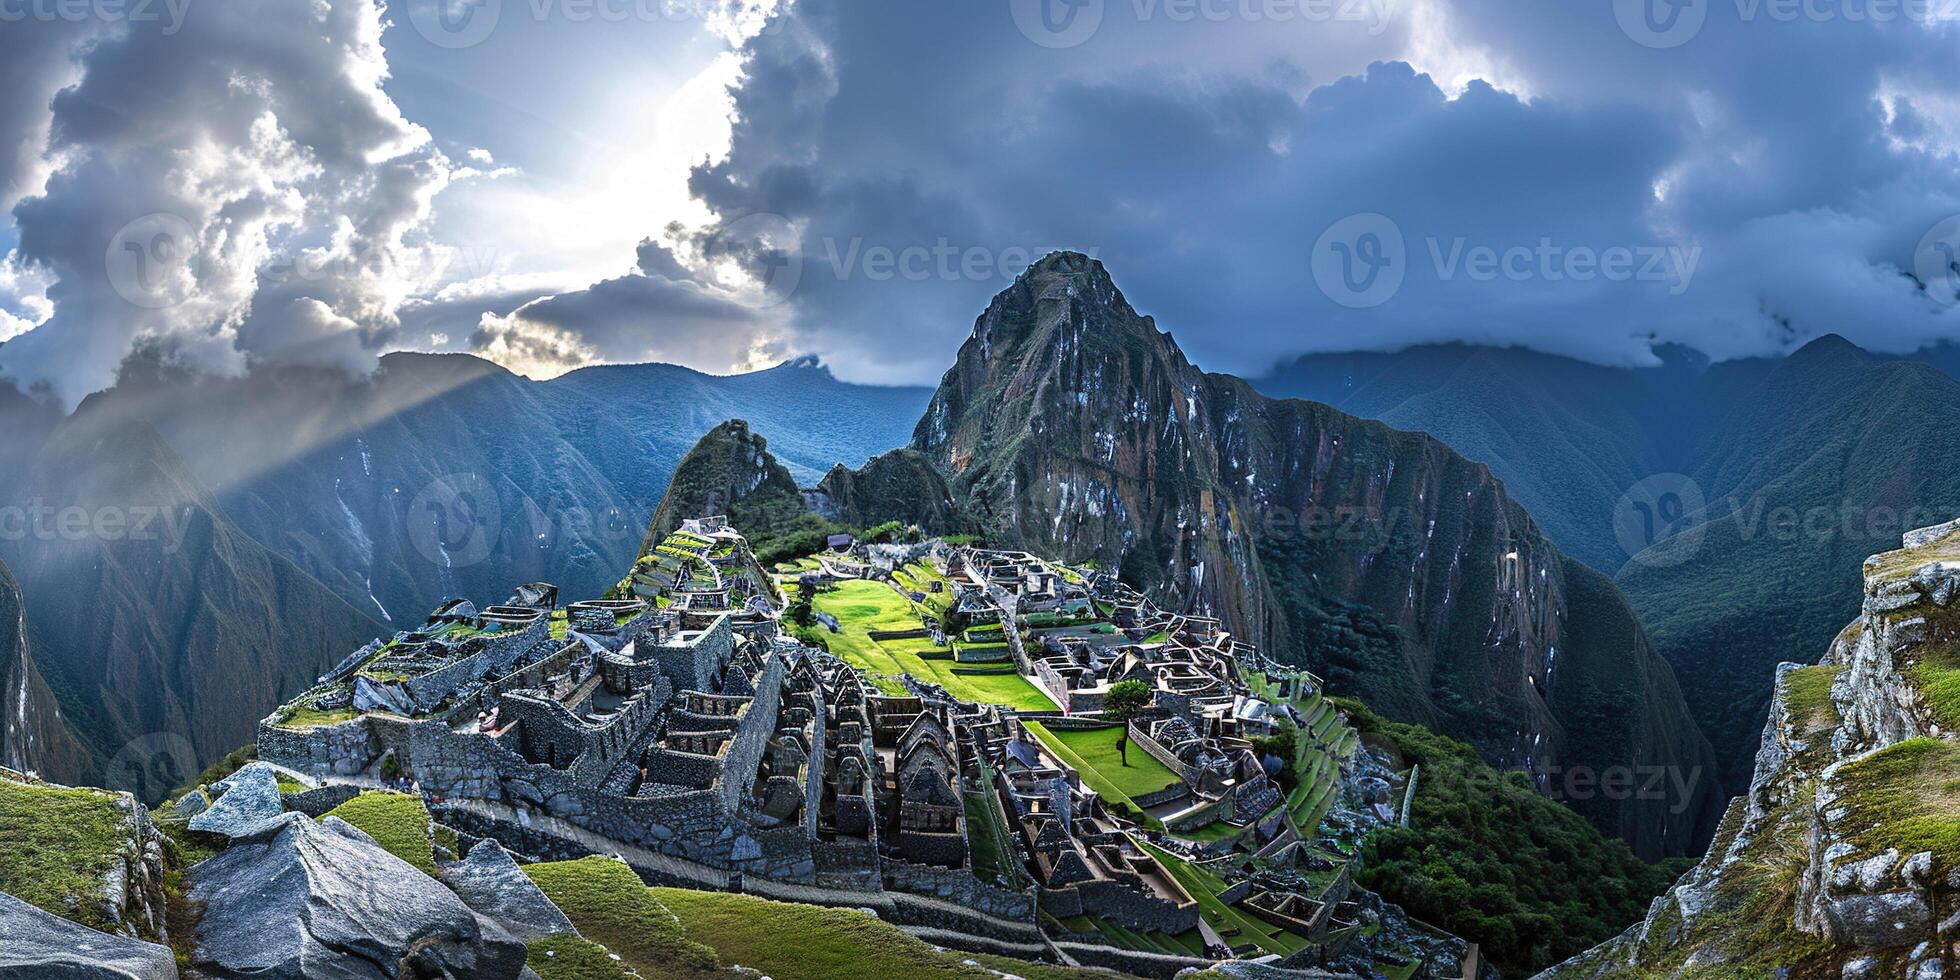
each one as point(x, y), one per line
point(1067, 262)
point(1830, 346)
point(804, 362)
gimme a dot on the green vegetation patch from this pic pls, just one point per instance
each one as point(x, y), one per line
point(863, 607)
point(396, 821)
point(610, 905)
point(1094, 778)
point(308, 717)
point(572, 958)
point(55, 847)
point(1491, 859)
point(1937, 676)
point(1097, 749)
point(808, 942)
point(1905, 796)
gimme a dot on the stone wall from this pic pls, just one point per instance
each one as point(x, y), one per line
point(1162, 753)
point(1055, 684)
point(947, 849)
point(1133, 909)
point(959, 887)
point(692, 663)
point(814, 775)
point(317, 803)
point(532, 676)
point(342, 749)
point(751, 739)
point(1208, 812)
point(497, 653)
point(1120, 904)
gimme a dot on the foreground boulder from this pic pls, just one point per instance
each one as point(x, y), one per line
point(298, 899)
point(246, 800)
point(37, 945)
point(490, 882)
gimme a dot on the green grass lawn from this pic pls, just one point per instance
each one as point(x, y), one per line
point(919, 577)
point(1093, 778)
point(610, 905)
point(862, 607)
point(807, 942)
point(55, 846)
point(396, 821)
point(400, 824)
point(569, 957)
point(1905, 796)
point(1215, 831)
point(1096, 749)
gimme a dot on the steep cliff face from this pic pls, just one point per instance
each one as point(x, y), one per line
point(1404, 572)
point(165, 631)
point(1844, 857)
point(900, 485)
point(730, 472)
point(33, 736)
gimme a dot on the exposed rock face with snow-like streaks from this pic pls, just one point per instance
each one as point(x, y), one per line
point(1842, 858)
point(1404, 572)
point(33, 738)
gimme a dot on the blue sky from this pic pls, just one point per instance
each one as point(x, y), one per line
point(723, 184)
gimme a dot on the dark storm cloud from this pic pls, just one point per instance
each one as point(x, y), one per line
point(1761, 184)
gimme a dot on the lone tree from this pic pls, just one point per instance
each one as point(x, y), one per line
point(1126, 700)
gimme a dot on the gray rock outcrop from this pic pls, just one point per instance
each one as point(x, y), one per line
point(35, 945)
point(246, 800)
point(1858, 752)
point(301, 900)
point(490, 882)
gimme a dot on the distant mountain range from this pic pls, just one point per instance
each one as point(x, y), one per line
point(1785, 473)
point(290, 514)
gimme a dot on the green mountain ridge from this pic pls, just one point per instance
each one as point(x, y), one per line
point(1804, 465)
